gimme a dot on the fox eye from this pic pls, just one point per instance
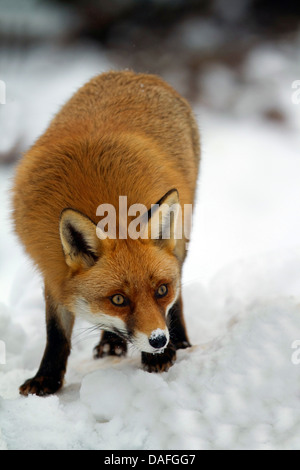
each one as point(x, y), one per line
point(119, 300)
point(161, 291)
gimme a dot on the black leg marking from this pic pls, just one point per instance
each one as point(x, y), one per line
point(110, 345)
point(159, 362)
point(49, 378)
point(177, 328)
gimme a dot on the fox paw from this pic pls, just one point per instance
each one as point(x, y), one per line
point(182, 344)
point(110, 345)
point(160, 362)
point(41, 386)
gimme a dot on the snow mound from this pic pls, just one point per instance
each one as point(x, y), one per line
point(241, 391)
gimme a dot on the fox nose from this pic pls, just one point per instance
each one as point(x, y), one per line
point(158, 339)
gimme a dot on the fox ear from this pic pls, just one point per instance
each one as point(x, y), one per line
point(164, 220)
point(78, 238)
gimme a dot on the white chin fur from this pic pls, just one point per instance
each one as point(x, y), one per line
point(141, 342)
point(106, 322)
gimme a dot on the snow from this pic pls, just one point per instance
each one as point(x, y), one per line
point(157, 333)
point(238, 386)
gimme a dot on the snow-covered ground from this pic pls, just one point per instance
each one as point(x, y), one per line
point(238, 387)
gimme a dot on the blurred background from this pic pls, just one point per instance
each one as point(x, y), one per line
point(236, 62)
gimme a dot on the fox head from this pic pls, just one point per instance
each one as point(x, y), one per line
point(126, 286)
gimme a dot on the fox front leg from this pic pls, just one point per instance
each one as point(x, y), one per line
point(110, 345)
point(178, 340)
point(178, 334)
point(160, 362)
point(49, 377)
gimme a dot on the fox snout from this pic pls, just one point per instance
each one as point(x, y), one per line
point(154, 343)
point(158, 339)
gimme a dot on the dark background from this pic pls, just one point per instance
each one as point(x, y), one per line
point(178, 39)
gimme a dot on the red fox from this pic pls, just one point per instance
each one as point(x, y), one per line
point(121, 134)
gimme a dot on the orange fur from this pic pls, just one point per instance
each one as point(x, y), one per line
point(120, 134)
